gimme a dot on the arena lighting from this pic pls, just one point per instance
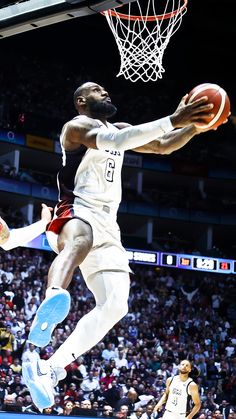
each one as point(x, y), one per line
point(25, 15)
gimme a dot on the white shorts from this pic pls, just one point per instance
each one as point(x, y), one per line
point(107, 252)
point(172, 415)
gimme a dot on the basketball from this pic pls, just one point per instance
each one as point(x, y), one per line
point(218, 97)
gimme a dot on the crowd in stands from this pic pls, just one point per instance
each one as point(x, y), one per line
point(173, 315)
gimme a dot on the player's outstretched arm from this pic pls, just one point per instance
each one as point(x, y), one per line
point(172, 141)
point(169, 142)
point(83, 130)
point(20, 236)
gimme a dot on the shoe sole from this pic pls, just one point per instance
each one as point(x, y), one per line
point(51, 312)
point(38, 392)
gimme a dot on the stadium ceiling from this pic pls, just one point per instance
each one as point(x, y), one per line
point(22, 16)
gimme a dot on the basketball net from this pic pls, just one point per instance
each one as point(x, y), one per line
point(142, 36)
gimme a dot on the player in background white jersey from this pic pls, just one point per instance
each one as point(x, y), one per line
point(9, 239)
point(84, 230)
point(181, 397)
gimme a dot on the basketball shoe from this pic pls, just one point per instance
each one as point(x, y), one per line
point(41, 378)
point(52, 311)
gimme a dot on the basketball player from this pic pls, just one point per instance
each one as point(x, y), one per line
point(9, 239)
point(181, 391)
point(84, 230)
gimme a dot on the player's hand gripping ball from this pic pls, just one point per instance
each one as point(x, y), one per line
point(218, 97)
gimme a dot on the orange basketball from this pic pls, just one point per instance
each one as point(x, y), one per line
point(216, 95)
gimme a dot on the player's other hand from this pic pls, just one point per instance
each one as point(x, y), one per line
point(46, 213)
point(200, 129)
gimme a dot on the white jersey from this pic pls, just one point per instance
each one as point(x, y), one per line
point(178, 398)
point(92, 175)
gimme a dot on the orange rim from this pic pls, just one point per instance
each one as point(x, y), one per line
point(147, 18)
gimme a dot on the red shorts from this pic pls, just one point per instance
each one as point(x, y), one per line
point(64, 212)
point(107, 252)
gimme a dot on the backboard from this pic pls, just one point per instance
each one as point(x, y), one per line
point(21, 16)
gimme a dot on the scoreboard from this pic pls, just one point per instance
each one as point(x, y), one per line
point(183, 261)
point(166, 259)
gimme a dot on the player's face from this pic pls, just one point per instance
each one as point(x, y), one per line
point(99, 103)
point(185, 367)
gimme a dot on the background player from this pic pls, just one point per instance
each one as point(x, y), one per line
point(181, 391)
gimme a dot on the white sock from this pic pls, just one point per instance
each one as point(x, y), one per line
point(111, 307)
point(53, 290)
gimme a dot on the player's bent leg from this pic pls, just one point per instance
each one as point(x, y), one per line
point(41, 378)
point(75, 241)
point(111, 292)
point(52, 311)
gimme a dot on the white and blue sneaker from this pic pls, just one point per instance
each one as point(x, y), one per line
point(41, 378)
point(52, 311)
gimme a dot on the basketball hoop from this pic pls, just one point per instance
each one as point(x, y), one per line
point(142, 35)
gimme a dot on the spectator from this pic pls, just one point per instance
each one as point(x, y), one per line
point(107, 378)
point(16, 366)
point(107, 411)
point(109, 352)
point(73, 375)
point(149, 414)
point(81, 367)
point(16, 386)
point(129, 400)
point(113, 394)
point(137, 414)
point(49, 411)
point(18, 345)
point(57, 407)
point(71, 392)
point(225, 409)
point(89, 384)
point(3, 391)
point(120, 360)
point(122, 412)
point(99, 394)
point(68, 408)
point(6, 339)
point(85, 409)
point(15, 327)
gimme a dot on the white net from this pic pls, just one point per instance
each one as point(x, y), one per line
point(142, 36)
